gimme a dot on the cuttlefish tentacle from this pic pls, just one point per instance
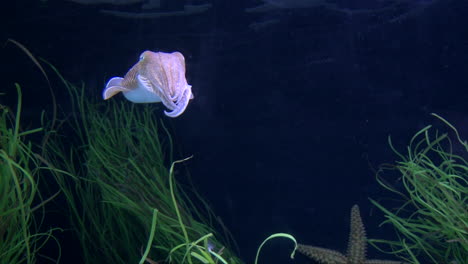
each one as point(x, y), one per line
point(157, 77)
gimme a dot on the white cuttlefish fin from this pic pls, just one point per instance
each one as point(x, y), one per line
point(113, 87)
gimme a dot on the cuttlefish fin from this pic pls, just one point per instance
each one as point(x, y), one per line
point(182, 103)
point(113, 87)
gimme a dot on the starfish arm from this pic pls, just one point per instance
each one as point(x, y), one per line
point(377, 261)
point(322, 255)
point(356, 252)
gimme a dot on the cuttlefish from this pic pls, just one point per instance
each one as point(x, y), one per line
point(157, 77)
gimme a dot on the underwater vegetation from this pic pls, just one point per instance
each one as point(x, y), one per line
point(21, 202)
point(432, 217)
point(114, 166)
point(124, 202)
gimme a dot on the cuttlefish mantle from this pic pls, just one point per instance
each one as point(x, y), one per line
point(157, 77)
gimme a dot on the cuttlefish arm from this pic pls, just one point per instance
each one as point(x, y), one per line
point(157, 77)
point(182, 104)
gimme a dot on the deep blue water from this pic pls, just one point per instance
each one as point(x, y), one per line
point(292, 106)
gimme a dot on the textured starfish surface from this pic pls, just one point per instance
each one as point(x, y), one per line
point(357, 245)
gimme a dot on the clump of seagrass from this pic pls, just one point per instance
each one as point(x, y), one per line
point(21, 203)
point(432, 221)
point(119, 188)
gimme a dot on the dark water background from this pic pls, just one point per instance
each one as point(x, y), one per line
point(292, 107)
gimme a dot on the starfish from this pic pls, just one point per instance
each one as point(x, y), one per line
point(356, 253)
